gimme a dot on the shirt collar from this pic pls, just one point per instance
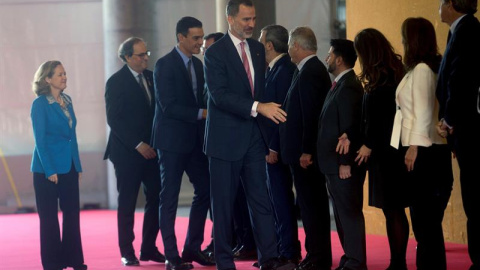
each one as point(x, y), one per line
point(184, 57)
point(135, 74)
point(304, 60)
point(342, 73)
point(236, 41)
point(51, 99)
point(455, 23)
point(275, 60)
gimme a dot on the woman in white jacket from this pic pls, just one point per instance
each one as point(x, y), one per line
point(427, 156)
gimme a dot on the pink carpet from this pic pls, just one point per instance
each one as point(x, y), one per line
point(20, 244)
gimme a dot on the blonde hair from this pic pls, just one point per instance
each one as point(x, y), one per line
point(46, 70)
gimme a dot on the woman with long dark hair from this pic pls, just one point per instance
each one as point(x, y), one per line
point(382, 70)
point(427, 156)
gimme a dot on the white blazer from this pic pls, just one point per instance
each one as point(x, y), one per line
point(417, 109)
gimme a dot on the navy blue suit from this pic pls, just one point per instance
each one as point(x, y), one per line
point(458, 91)
point(178, 137)
point(298, 135)
point(56, 152)
point(130, 116)
point(236, 147)
point(280, 182)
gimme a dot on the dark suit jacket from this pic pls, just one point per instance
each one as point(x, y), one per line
point(229, 124)
point(129, 115)
point(175, 123)
point(304, 101)
point(277, 83)
point(341, 113)
point(459, 76)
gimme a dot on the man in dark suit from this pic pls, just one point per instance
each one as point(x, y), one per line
point(130, 107)
point(298, 138)
point(277, 81)
point(457, 92)
point(234, 143)
point(340, 115)
point(178, 132)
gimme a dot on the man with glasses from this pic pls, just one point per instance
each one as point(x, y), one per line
point(130, 107)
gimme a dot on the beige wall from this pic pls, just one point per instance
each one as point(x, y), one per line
point(387, 17)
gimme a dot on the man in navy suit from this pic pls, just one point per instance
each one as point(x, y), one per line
point(178, 130)
point(130, 107)
point(234, 143)
point(340, 115)
point(298, 138)
point(277, 81)
point(457, 92)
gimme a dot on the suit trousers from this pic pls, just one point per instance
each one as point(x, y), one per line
point(172, 167)
point(312, 197)
point(241, 222)
point(347, 199)
point(432, 180)
point(66, 250)
point(130, 175)
point(225, 178)
point(467, 147)
point(280, 188)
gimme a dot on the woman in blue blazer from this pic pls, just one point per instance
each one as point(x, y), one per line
point(56, 169)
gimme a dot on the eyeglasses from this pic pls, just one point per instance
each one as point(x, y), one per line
point(142, 55)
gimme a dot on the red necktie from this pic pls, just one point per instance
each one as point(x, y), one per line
point(333, 85)
point(246, 65)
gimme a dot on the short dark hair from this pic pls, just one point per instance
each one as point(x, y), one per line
point(278, 36)
point(216, 36)
point(464, 6)
point(420, 44)
point(233, 6)
point(344, 48)
point(185, 23)
point(126, 48)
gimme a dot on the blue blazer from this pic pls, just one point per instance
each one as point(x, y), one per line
point(229, 123)
point(55, 142)
point(175, 126)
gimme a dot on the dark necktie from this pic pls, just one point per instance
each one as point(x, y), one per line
point(145, 91)
point(246, 65)
point(268, 72)
point(190, 76)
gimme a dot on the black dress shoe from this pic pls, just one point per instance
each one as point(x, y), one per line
point(276, 264)
point(310, 265)
point(177, 264)
point(130, 260)
point(197, 256)
point(242, 254)
point(209, 250)
point(156, 256)
point(80, 267)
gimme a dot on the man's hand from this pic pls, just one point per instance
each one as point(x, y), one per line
point(146, 151)
point(204, 114)
point(305, 160)
point(442, 129)
point(272, 111)
point(344, 171)
point(272, 157)
point(363, 154)
point(343, 144)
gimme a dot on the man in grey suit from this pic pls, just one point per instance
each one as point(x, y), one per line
point(340, 116)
